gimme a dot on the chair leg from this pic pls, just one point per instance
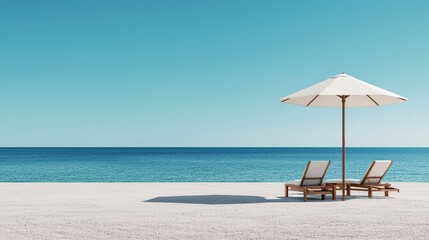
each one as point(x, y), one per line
point(334, 193)
point(386, 193)
point(323, 196)
point(348, 189)
point(305, 194)
point(286, 191)
point(370, 192)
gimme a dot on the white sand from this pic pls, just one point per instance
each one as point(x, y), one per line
point(205, 211)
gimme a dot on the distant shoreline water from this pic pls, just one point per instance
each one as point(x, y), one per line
point(200, 164)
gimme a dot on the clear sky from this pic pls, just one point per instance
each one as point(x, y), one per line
point(207, 73)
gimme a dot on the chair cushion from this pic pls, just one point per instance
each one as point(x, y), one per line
point(377, 170)
point(356, 181)
point(294, 182)
point(316, 169)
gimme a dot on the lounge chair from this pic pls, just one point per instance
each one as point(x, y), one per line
point(370, 182)
point(312, 181)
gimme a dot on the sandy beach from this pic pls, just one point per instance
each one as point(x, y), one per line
point(205, 211)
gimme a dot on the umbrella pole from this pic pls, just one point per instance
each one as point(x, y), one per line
point(343, 101)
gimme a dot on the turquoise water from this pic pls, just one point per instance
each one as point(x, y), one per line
point(199, 164)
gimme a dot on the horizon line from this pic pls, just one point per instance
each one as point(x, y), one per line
point(213, 147)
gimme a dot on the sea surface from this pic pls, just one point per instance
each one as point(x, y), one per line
point(200, 164)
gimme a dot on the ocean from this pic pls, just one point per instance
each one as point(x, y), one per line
point(200, 164)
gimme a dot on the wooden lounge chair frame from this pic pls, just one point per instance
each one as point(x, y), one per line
point(369, 183)
point(312, 189)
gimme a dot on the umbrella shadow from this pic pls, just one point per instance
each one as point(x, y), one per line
point(226, 199)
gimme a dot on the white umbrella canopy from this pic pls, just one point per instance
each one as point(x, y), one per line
point(326, 93)
point(343, 91)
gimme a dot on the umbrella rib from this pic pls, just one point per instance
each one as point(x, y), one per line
point(312, 100)
point(285, 100)
point(372, 100)
point(403, 99)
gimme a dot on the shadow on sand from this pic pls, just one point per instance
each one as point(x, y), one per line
point(227, 199)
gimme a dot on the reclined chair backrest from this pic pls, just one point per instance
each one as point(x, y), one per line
point(314, 173)
point(376, 172)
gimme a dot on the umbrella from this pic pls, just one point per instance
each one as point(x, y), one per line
point(343, 91)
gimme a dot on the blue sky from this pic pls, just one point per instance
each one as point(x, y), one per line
point(207, 73)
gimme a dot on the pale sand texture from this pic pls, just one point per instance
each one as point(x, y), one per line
point(205, 211)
